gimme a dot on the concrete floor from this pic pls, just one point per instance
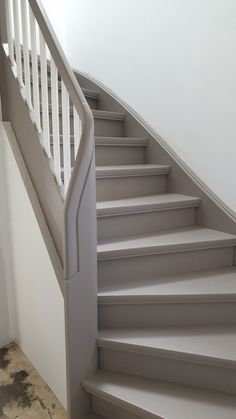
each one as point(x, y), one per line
point(23, 393)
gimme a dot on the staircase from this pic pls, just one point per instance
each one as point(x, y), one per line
point(166, 291)
point(166, 282)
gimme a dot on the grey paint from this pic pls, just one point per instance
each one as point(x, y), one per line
point(3, 29)
point(126, 266)
point(72, 226)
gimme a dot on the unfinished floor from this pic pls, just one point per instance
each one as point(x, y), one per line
point(23, 393)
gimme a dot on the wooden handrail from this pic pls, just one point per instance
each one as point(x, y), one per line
point(86, 147)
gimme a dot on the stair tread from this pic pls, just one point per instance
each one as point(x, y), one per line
point(112, 141)
point(133, 169)
point(102, 114)
point(121, 141)
point(154, 398)
point(186, 238)
point(207, 344)
point(97, 113)
point(149, 202)
point(90, 93)
point(208, 284)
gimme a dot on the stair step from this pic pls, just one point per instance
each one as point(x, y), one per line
point(97, 113)
point(146, 204)
point(208, 285)
point(93, 416)
point(91, 94)
point(144, 215)
point(158, 399)
point(176, 240)
point(108, 115)
point(109, 154)
point(88, 93)
point(132, 180)
point(195, 298)
point(191, 355)
point(131, 170)
point(106, 123)
point(121, 142)
point(120, 151)
point(112, 141)
point(211, 345)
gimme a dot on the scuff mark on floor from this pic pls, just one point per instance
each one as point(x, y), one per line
point(23, 393)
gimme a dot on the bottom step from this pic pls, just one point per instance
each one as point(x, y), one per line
point(149, 398)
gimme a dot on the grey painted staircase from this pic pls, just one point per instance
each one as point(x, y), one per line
point(166, 289)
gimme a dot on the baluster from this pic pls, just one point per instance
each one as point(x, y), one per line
point(25, 36)
point(9, 30)
point(44, 90)
point(16, 18)
point(77, 130)
point(35, 72)
point(55, 122)
point(66, 135)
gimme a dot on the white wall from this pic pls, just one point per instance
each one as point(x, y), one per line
point(56, 11)
point(174, 62)
point(7, 314)
point(4, 306)
point(40, 329)
point(4, 319)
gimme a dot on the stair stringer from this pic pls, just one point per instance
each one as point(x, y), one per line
point(36, 162)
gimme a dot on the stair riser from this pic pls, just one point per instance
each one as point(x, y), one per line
point(128, 225)
point(175, 370)
point(93, 103)
point(110, 410)
point(108, 156)
point(166, 314)
point(108, 128)
point(129, 270)
point(128, 187)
